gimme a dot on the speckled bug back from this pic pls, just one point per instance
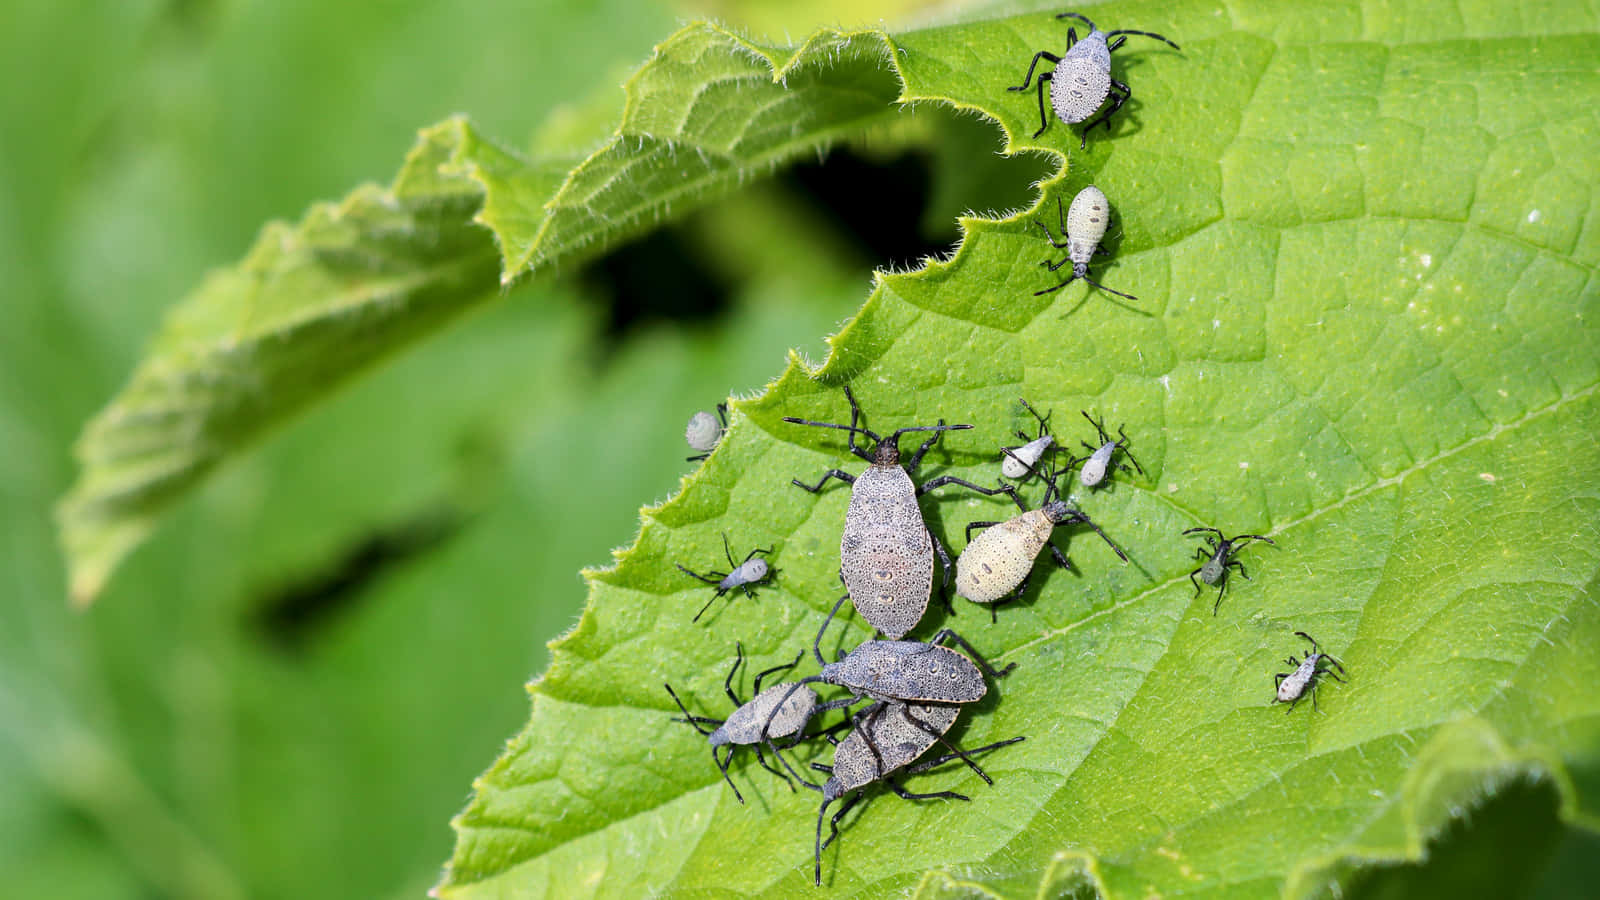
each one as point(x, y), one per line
point(910, 671)
point(1082, 79)
point(896, 742)
point(1087, 219)
point(886, 555)
point(763, 711)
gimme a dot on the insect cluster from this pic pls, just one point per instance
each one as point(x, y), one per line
point(901, 696)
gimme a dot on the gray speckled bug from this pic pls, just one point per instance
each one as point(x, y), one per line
point(886, 551)
point(1218, 555)
point(1101, 458)
point(1081, 230)
point(779, 710)
point(1021, 461)
point(887, 738)
point(1082, 78)
point(704, 431)
point(740, 575)
point(994, 568)
point(905, 671)
point(1292, 686)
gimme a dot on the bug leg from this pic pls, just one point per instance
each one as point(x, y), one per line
point(727, 683)
point(762, 758)
point(1050, 237)
point(916, 458)
point(1195, 583)
point(905, 712)
point(904, 794)
point(1052, 290)
point(688, 717)
point(712, 577)
point(945, 569)
point(941, 760)
point(1059, 556)
point(1277, 680)
point(1119, 94)
point(1044, 120)
point(972, 525)
point(845, 477)
point(1109, 290)
point(834, 822)
point(1239, 566)
point(1042, 54)
point(943, 480)
point(816, 646)
point(779, 668)
point(1053, 266)
point(1077, 517)
point(723, 765)
point(976, 656)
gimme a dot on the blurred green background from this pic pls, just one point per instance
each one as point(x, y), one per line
point(288, 692)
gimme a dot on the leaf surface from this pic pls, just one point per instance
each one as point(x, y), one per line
point(1364, 243)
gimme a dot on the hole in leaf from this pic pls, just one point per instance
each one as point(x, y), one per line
point(888, 200)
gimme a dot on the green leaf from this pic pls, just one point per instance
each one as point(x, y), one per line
point(314, 303)
point(1364, 244)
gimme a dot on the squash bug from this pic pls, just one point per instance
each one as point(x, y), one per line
point(994, 568)
point(888, 737)
point(1292, 686)
point(1218, 555)
point(1081, 230)
point(704, 431)
point(1019, 462)
point(740, 575)
point(886, 551)
point(776, 712)
point(1081, 79)
point(1101, 458)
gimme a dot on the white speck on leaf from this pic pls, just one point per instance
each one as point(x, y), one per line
point(1534, 216)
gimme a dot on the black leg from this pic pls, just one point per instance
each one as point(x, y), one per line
point(1222, 588)
point(944, 569)
point(1051, 238)
point(688, 717)
point(765, 672)
point(976, 656)
point(816, 646)
point(943, 480)
point(904, 794)
point(1052, 290)
point(1110, 290)
point(1119, 94)
point(845, 477)
point(1042, 54)
point(723, 765)
point(972, 525)
point(1053, 266)
point(712, 577)
point(1044, 119)
point(727, 683)
point(925, 765)
point(762, 758)
point(905, 712)
point(1195, 583)
point(1059, 557)
point(916, 458)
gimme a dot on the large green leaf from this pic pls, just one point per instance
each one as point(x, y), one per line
point(1364, 242)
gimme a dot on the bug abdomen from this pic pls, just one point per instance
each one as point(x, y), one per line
point(885, 553)
point(1077, 89)
point(998, 559)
